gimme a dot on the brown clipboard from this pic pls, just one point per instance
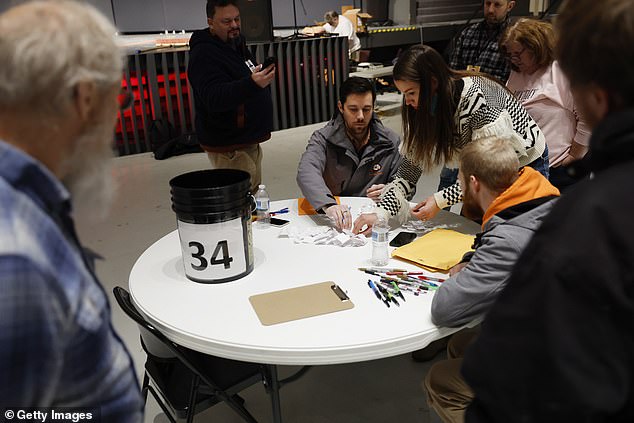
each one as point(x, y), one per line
point(299, 303)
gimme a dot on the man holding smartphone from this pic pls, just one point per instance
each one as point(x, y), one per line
point(234, 111)
point(353, 155)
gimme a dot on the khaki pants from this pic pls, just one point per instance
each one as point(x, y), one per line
point(447, 392)
point(248, 159)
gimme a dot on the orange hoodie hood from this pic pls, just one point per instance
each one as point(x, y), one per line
point(529, 185)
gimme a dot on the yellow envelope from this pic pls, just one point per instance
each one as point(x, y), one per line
point(439, 249)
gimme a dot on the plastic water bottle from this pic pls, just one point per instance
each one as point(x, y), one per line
point(380, 232)
point(262, 206)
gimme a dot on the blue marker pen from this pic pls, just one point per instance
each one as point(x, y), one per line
point(376, 292)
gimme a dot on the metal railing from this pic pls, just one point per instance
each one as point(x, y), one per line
point(305, 90)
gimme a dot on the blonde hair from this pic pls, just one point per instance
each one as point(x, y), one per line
point(492, 160)
point(536, 36)
point(47, 48)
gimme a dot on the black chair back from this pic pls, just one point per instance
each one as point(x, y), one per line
point(218, 378)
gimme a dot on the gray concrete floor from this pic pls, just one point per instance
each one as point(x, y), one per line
point(387, 390)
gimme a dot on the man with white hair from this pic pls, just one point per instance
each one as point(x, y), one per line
point(59, 91)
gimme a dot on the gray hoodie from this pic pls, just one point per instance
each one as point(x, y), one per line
point(331, 166)
point(471, 292)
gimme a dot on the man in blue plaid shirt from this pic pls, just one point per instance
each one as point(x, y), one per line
point(477, 46)
point(60, 79)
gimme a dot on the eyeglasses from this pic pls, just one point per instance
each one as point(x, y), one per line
point(515, 55)
point(125, 99)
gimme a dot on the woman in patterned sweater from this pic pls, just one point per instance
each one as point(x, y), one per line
point(444, 110)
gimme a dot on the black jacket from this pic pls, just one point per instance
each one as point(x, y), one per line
point(231, 109)
point(558, 345)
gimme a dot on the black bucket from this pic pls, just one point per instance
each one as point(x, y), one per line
point(213, 209)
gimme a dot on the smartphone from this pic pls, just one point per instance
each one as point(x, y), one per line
point(268, 62)
point(403, 238)
point(278, 222)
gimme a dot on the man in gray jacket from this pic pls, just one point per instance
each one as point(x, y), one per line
point(353, 155)
point(512, 205)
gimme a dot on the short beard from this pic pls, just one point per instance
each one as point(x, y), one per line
point(470, 207)
point(357, 136)
point(88, 175)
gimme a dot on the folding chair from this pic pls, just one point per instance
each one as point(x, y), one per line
point(186, 382)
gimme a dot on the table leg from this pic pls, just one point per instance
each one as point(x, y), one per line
point(274, 385)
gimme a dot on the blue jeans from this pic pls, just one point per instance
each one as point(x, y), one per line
point(448, 177)
point(541, 163)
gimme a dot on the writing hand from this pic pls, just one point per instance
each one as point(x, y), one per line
point(426, 210)
point(340, 215)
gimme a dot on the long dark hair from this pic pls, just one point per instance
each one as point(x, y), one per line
point(429, 132)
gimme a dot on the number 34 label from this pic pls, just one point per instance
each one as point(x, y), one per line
point(213, 251)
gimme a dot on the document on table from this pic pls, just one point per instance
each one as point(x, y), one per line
point(300, 302)
point(438, 250)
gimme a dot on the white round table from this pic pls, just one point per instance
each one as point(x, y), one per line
point(218, 319)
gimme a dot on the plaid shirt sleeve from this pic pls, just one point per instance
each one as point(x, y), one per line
point(54, 352)
point(31, 322)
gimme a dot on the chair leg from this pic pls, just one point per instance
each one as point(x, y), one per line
point(161, 404)
point(238, 399)
point(144, 387)
point(239, 408)
point(274, 391)
point(193, 393)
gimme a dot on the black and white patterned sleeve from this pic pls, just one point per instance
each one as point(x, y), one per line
point(448, 196)
point(396, 195)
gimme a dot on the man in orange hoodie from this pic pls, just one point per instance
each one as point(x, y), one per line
point(512, 206)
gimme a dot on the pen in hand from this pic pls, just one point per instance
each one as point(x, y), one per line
point(340, 215)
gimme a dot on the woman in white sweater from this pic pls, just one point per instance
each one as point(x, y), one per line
point(544, 91)
point(443, 110)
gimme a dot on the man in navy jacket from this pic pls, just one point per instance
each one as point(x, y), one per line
point(234, 112)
